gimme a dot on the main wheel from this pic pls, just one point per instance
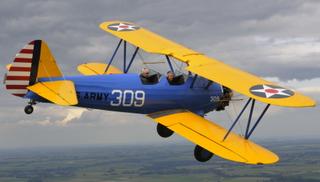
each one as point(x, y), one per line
point(201, 154)
point(163, 131)
point(28, 109)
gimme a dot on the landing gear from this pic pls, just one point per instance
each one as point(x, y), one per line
point(28, 109)
point(201, 154)
point(163, 131)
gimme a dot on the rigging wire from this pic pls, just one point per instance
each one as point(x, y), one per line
point(233, 107)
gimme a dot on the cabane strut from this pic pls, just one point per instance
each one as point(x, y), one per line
point(125, 67)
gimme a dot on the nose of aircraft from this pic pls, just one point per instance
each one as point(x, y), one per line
point(225, 98)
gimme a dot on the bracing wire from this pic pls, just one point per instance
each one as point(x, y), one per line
point(235, 111)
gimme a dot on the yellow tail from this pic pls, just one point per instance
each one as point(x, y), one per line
point(32, 62)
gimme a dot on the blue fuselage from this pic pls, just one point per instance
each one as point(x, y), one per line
point(126, 93)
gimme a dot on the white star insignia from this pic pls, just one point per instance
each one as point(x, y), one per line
point(269, 91)
point(123, 26)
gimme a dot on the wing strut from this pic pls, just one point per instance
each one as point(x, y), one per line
point(124, 56)
point(248, 130)
point(131, 60)
point(113, 55)
point(250, 116)
point(125, 67)
point(235, 121)
point(257, 122)
point(169, 62)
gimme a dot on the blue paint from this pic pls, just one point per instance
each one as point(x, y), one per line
point(96, 92)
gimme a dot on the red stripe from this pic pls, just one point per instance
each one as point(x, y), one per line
point(16, 86)
point(19, 69)
point(31, 43)
point(22, 60)
point(29, 51)
point(19, 95)
point(18, 77)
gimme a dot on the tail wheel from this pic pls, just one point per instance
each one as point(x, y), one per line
point(201, 154)
point(163, 131)
point(28, 109)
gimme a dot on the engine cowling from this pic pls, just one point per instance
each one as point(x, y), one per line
point(224, 99)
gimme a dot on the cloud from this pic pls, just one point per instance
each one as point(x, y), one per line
point(278, 39)
point(73, 114)
point(52, 116)
point(310, 87)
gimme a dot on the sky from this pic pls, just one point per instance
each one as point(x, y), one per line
point(277, 39)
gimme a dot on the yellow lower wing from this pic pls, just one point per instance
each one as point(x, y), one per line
point(59, 92)
point(210, 136)
point(97, 69)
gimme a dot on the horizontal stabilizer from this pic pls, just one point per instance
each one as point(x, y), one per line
point(59, 92)
point(210, 136)
point(97, 69)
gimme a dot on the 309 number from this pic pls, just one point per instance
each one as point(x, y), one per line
point(128, 98)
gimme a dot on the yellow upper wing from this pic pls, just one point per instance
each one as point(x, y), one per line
point(143, 38)
point(97, 69)
point(59, 92)
point(212, 69)
point(210, 136)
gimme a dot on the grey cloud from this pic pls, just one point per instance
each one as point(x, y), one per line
point(227, 30)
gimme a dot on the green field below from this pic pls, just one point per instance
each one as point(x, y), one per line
point(300, 161)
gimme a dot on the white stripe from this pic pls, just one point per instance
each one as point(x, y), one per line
point(18, 64)
point(28, 47)
point(23, 55)
point(18, 73)
point(18, 91)
point(17, 82)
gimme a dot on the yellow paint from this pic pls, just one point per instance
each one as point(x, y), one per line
point(240, 81)
point(204, 66)
point(47, 64)
point(97, 69)
point(59, 92)
point(147, 40)
point(210, 135)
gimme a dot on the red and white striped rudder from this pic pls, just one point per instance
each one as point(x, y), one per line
point(22, 71)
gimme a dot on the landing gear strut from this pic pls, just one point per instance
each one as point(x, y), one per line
point(163, 131)
point(201, 154)
point(29, 109)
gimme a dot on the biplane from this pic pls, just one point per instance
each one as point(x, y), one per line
point(177, 106)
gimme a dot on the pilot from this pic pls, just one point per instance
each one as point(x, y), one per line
point(145, 78)
point(145, 72)
point(170, 77)
point(173, 79)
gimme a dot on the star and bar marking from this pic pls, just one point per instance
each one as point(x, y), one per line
point(271, 91)
point(121, 27)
